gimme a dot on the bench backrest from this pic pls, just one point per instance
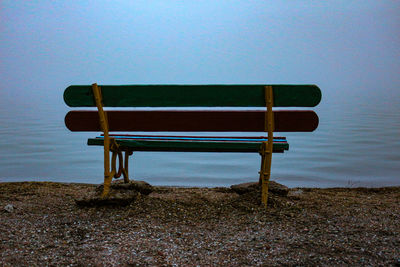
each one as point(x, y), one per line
point(193, 96)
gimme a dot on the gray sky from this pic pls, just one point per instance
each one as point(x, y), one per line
point(351, 49)
point(345, 46)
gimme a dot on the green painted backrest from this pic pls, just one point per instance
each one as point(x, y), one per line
point(193, 95)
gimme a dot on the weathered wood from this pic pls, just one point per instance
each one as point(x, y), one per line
point(193, 95)
point(196, 138)
point(189, 146)
point(193, 121)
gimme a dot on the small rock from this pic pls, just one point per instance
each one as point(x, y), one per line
point(9, 208)
point(273, 187)
point(121, 194)
point(245, 188)
point(295, 193)
point(139, 186)
point(278, 189)
point(113, 199)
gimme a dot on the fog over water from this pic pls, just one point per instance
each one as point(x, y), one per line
point(351, 50)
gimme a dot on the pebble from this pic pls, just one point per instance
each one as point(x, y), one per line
point(9, 208)
point(206, 228)
point(297, 192)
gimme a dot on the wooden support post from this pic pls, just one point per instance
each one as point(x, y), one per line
point(267, 147)
point(104, 127)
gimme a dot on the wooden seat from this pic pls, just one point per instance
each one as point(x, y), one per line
point(192, 143)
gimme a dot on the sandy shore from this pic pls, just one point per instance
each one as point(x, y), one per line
point(42, 225)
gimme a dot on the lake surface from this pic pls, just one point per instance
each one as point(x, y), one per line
point(356, 144)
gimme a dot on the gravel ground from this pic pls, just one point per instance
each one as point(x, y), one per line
point(42, 225)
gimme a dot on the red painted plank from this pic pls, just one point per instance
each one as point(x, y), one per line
point(193, 121)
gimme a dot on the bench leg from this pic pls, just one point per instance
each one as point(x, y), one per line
point(122, 168)
point(107, 173)
point(261, 170)
point(125, 171)
point(123, 163)
point(265, 173)
point(267, 147)
point(107, 184)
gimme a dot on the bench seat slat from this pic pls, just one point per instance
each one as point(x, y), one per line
point(193, 95)
point(193, 121)
point(198, 138)
point(189, 145)
point(190, 136)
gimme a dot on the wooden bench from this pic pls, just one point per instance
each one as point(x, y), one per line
point(153, 119)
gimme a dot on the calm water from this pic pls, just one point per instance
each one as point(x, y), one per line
point(356, 144)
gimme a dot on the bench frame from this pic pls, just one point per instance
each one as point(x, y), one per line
point(110, 145)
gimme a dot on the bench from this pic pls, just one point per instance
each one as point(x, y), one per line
point(186, 119)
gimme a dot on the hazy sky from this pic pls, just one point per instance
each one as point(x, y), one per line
point(350, 49)
point(345, 46)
